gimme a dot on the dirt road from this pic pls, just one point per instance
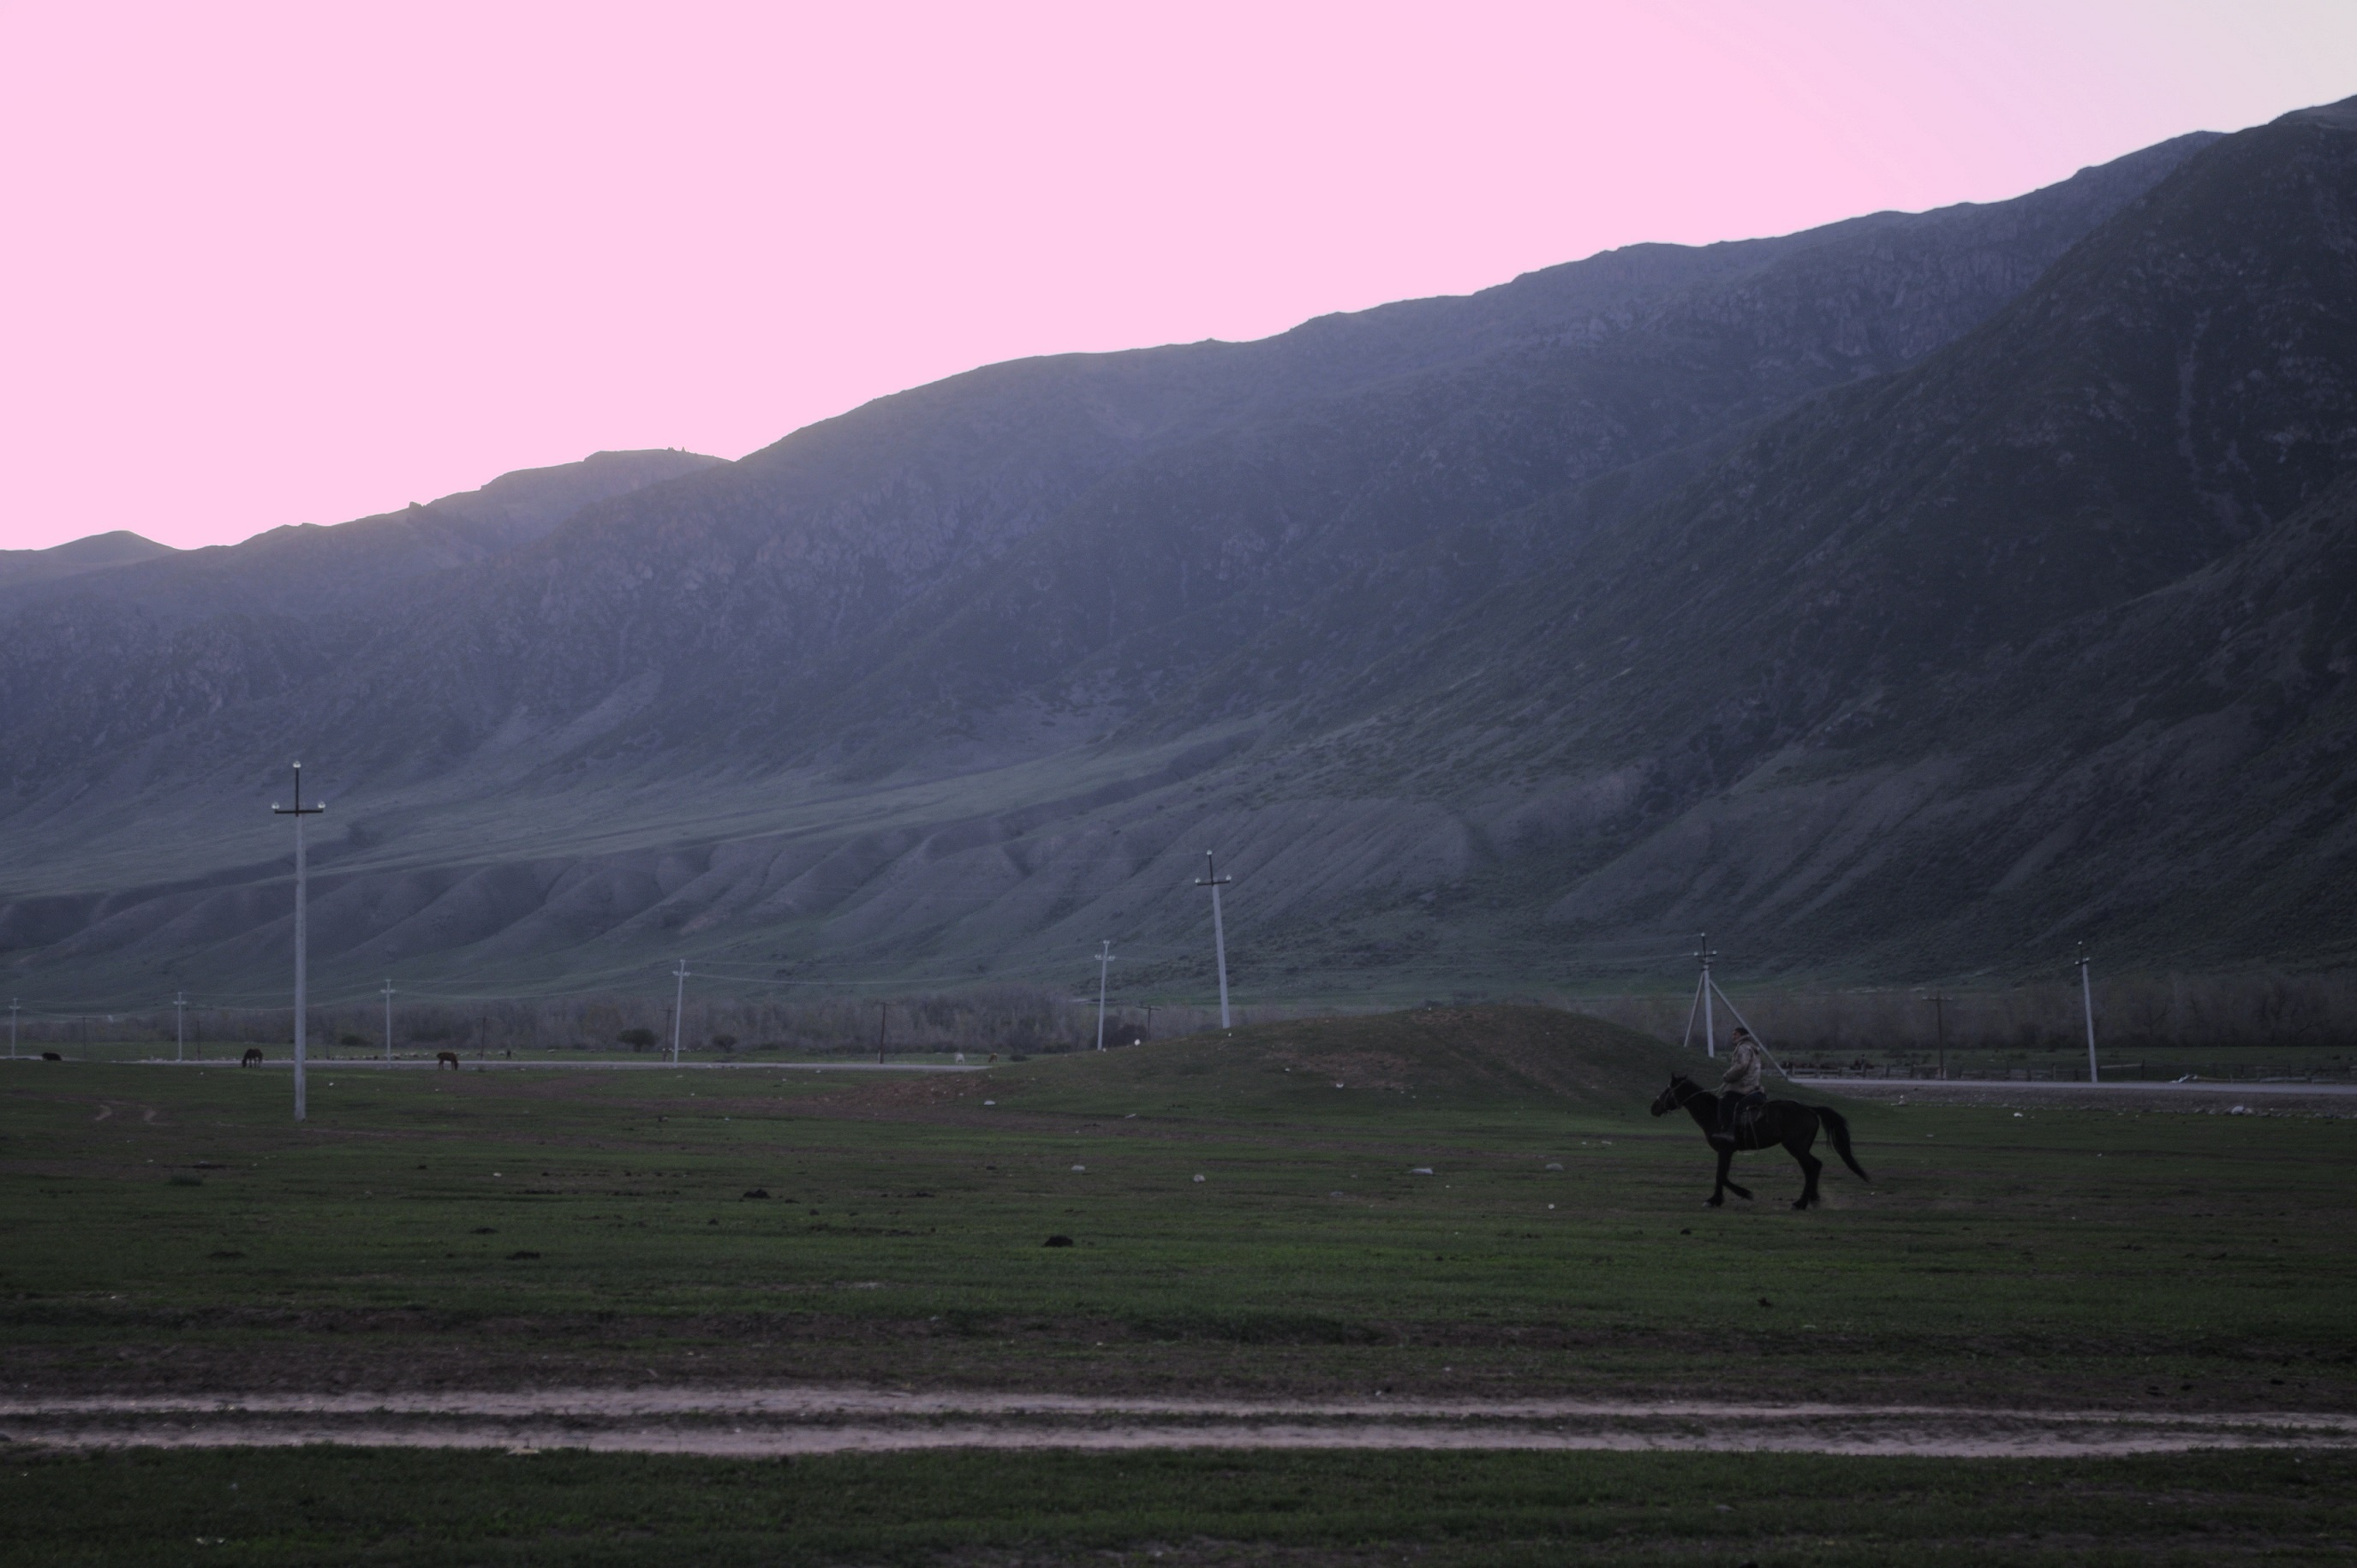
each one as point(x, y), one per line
point(2287, 1096)
point(786, 1421)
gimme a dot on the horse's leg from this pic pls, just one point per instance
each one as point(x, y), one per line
point(1726, 1162)
point(1798, 1143)
point(1718, 1191)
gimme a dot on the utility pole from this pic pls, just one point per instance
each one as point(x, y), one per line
point(883, 1015)
point(2087, 998)
point(1757, 1038)
point(1709, 1023)
point(12, 1028)
point(181, 1026)
point(388, 1020)
point(678, 1007)
point(1701, 1003)
point(1149, 1020)
point(1940, 1027)
point(1214, 881)
point(1104, 958)
point(298, 810)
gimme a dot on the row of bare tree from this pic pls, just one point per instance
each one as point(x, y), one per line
point(1009, 1019)
point(2132, 1012)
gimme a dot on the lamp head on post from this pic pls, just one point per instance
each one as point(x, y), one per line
point(298, 808)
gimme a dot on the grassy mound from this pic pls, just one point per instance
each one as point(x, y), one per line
point(1430, 1055)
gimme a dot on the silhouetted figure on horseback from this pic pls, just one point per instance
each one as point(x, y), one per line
point(1739, 1089)
point(1744, 1118)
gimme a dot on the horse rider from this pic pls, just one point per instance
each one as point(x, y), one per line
point(1740, 1085)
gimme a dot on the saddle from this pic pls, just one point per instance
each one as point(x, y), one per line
point(1747, 1116)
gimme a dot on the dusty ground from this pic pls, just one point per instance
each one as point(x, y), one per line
point(2211, 1098)
point(776, 1420)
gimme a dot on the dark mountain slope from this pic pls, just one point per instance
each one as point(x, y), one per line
point(1196, 544)
point(146, 641)
point(2174, 777)
point(2180, 381)
point(743, 606)
point(1720, 603)
point(1815, 672)
point(74, 557)
point(2176, 382)
point(2193, 754)
point(311, 573)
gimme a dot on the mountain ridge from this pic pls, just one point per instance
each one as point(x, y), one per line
point(1466, 653)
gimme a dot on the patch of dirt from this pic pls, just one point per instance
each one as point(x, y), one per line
point(774, 1421)
point(2208, 1099)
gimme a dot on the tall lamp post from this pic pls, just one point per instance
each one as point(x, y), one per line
point(2087, 1000)
point(678, 1007)
point(298, 810)
point(1214, 881)
point(1104, 959)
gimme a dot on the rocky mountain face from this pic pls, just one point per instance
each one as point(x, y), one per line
point(143, 643)
point(1904, 598)
point(76, 556)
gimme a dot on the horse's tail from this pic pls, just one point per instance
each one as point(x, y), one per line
point(1837, 1127)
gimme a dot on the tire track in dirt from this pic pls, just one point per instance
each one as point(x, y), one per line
point(786, 1421)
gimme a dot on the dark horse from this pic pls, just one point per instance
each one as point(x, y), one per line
point(1785, 1122)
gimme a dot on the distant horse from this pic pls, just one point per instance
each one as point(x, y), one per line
point(446, 1058)
point(51, 1057)
point(1785, 1122)
point(252, 1055)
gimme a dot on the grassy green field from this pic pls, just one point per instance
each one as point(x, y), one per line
point(171, 1229)
point(174, 1223)
point(1444, 1511)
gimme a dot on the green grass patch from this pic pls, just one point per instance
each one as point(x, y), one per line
point(529, 1226)
point(328, 1504)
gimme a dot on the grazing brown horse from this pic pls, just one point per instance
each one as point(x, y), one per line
point(1785, 1122)
point(446, 1058)
point(252, 1055)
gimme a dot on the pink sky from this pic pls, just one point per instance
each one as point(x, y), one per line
point(272, 263)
